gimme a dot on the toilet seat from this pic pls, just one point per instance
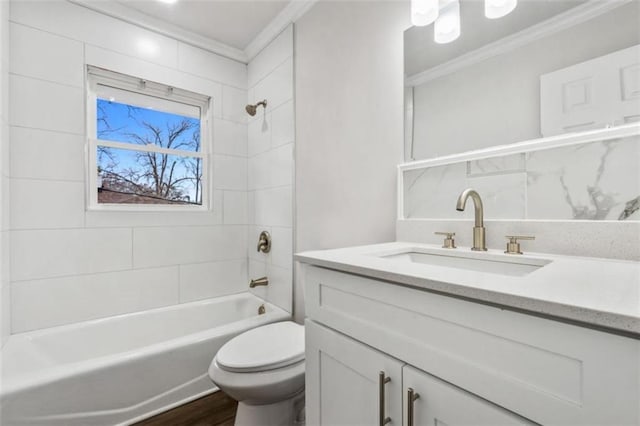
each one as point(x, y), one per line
point(264, 348)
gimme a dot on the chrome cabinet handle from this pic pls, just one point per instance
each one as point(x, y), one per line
point(382, 380)
point(411, 397)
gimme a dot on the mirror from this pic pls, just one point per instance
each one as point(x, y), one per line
point(548, 68)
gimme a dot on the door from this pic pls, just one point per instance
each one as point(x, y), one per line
point(440, 403)
point(349, 383)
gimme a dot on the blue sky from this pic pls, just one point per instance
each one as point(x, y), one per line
point(117, 122)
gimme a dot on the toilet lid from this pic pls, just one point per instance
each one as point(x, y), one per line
point(264, 348)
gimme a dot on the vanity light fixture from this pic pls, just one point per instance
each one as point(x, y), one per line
point(447, 27)
point(445, 14)
point(424, 12)
point(494, 9)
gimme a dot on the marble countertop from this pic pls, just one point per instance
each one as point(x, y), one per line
point(596, 292)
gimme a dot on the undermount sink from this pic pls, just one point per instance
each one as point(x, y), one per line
point(480, 262)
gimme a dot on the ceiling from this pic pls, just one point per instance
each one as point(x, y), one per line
point(422, 53)
point(232, 22)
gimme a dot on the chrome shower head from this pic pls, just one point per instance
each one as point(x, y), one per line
point(251, 109)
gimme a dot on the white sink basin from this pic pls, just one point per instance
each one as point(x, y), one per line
point(512, 265)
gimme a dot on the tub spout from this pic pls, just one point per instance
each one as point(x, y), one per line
point(259, 281)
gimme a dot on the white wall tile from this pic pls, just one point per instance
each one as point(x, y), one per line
point(229, 173)
point(234, 102)
point(5, 313)
point(279, 290)
point(271, 168)
point(271, 56)
point(258, 176)
point(282, 247)
point(273, 206)
point(277, 87)
point(86, 297)
point(43, 105)
point(79, 23)
point(52, 253)
point(179, 245)
point(251, 207)
point(229, 138)
point(211, 66)
point(259, 134)
point(46, 56)
point(43, 154)
point(235, 207)
point(282, 123)
point(213, 279)
point(41, 204)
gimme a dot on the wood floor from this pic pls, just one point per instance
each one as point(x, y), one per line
point(216, 409)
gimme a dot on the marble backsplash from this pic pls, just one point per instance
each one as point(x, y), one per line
point(588, 181)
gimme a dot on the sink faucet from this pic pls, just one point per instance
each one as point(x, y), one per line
point(479, 243)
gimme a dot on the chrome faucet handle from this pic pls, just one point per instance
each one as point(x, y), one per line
point(513, 246)
point(448, 242)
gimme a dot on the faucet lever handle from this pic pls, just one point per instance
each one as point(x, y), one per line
point(513, 246)
point(448, 242)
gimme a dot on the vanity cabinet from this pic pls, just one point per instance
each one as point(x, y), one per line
point(348, 383)
point(470, 362)
point(344, 384)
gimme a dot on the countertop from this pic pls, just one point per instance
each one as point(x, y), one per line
point(601, 293)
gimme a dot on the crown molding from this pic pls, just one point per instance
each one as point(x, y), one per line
point(291, 13)
point(570, 18)
point(132, 16)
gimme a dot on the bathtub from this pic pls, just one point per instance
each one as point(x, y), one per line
point(122, 369)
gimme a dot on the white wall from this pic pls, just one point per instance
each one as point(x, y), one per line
point(5, 288)
point(497, 101)
point(68, 264)
point(270, 178)
point(349, 124)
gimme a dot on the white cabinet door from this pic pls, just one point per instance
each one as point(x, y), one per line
point(343, 381)
point(440, 403)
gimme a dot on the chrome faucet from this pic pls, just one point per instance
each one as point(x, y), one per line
point(479, 243)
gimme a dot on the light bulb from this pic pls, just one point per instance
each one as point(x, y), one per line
point(423, 12)
point(494, 9)
point(447, 26)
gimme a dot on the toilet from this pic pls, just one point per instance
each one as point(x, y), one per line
point(263, 369)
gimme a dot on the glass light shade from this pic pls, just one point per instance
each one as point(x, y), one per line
point(494, 9)
point(424, 12)
point(447, 26)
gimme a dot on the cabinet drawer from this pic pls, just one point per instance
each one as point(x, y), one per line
point(547, 371)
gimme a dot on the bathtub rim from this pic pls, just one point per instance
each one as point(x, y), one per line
point(12, 384)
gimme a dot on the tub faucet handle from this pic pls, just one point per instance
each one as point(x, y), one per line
point(264, 242)
point(259, 281)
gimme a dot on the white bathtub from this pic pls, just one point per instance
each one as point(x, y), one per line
point(122, 369)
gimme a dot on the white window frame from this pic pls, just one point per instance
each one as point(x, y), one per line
point(98, 76)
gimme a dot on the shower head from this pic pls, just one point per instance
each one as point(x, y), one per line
point(251, 109)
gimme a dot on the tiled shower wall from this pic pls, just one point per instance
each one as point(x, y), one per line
point(270, 178)
point(5, 288)
point(69, 264)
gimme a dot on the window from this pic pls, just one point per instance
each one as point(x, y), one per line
point(148, 144)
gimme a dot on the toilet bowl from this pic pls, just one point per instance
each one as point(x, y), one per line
point(263, 369)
